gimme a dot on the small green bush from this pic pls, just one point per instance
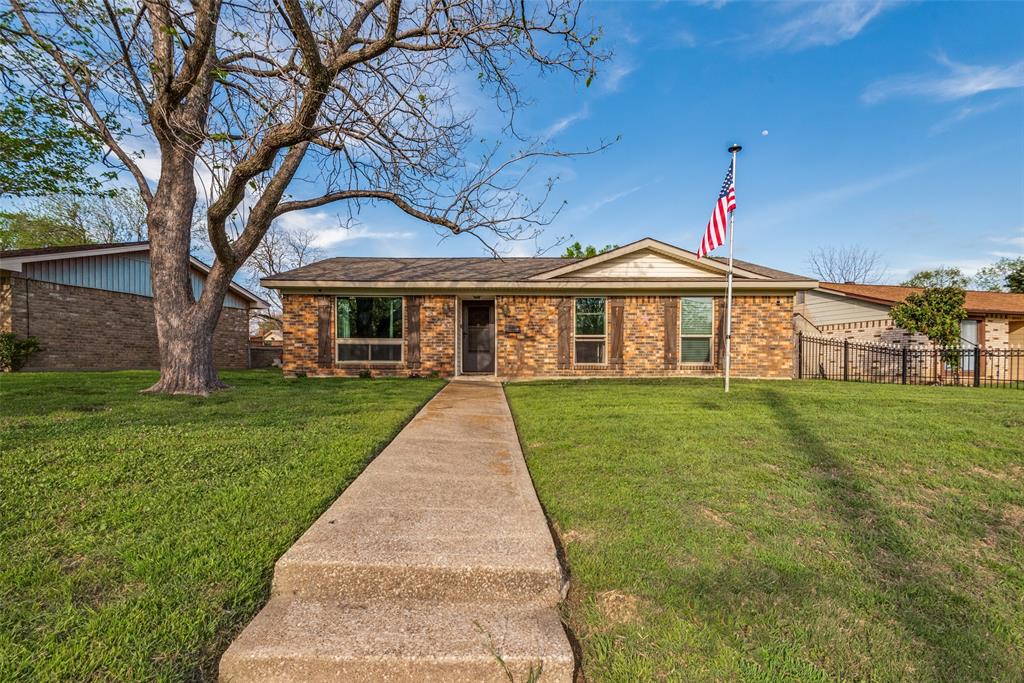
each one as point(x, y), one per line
point(14, 352)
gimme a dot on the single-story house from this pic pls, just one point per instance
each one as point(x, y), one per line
point(91, 307)
point(995, 320)
point(644, 309)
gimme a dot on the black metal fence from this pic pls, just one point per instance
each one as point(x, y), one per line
point(848, 361)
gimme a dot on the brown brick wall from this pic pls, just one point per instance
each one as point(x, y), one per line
point(763, 344)
point(871, 331)
point(92, 329)
point(300, 351)
point(993, 332)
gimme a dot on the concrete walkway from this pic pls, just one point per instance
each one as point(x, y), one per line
point(436, 564)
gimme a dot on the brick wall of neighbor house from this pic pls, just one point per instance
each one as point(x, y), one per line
point(527, 331)
point(871, 331)
point(994, 332)
point(6, 313)
point(92, 329)
point(300, 351)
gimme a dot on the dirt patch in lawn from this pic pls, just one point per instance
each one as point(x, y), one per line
point(618, 607)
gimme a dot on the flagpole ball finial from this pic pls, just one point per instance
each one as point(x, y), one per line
point(734, 149)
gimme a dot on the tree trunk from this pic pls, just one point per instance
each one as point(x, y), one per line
point(184, 326)
point(186, 354)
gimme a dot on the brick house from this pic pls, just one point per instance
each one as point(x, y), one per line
point(91, 307)
point(995, 320)
point(644, 309)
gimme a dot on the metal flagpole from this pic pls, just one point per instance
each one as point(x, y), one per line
point(734, 150)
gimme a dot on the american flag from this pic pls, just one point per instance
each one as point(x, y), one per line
point(714, 235)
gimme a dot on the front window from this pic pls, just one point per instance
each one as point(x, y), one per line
point(696, 326)
point(369, 329)
point(590, 330)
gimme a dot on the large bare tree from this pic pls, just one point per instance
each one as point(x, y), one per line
point(846, 264)
point(280, 249)
point(285, 105)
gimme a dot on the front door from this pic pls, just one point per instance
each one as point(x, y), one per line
point(478, 336)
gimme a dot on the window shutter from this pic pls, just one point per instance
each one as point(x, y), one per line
point(564, 333)
point(671, 332)
point(325, 340)
point(719, 331)
point(617, 306)
point(412, 331)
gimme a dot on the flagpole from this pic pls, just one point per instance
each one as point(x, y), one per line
point(734, 150)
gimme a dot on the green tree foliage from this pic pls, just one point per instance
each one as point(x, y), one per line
point(577, 250)
point(996, 277)
point(24, 230)
point(1015, 279)
point(41, 152)
point(938, 278)
point(66, 219)
point(936, 313)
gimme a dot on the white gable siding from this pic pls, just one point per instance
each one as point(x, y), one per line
point(824, 308)
point(643, 264)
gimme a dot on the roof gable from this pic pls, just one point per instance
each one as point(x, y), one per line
point(24, 260)
point(646, 259)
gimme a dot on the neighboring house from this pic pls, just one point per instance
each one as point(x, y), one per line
point(856, 312)
point(91, 307)
point(644, 309)
point(273, 338)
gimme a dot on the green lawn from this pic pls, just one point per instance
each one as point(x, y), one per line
point(138, 533)
point(789, 531)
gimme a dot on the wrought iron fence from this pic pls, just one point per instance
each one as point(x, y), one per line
point(848, 361)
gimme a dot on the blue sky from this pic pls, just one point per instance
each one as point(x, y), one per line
point(896, 126)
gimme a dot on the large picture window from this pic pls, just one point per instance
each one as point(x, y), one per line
point(696, 325)
point(591, 332)
point(369, 329)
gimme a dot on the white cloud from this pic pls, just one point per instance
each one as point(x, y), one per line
point(330, 231)
point(1013, 240)
point(962, 114)
point(684, 37)
point(615, 76)
point(561, 124)
point(811, 24)
point(959, 81)
point(584, 210)
point(823, 200)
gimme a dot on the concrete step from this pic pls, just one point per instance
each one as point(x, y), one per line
point(325, 640)
point(414, 547)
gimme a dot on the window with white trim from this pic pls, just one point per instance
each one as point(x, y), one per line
point(591, 330)
point(369, 329)
point(696, 327)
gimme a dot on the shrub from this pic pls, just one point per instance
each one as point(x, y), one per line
point(14, 352)
point(935, 312)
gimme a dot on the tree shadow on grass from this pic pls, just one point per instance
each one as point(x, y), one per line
point(949, 625)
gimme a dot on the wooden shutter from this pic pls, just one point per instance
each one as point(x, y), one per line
point(412, 333)
point(671, 332)
point(617, 305)
point(564, 333)
point(325, 338)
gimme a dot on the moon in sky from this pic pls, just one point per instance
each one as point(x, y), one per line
point(764, 132)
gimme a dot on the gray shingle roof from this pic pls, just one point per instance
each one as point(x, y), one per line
point(483, 269)
point(360, 269)
point(761, 270)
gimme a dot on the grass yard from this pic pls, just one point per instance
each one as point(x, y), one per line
point(138, 533)
point(804, 531)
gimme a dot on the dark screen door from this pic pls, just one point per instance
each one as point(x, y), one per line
point(478, 336)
